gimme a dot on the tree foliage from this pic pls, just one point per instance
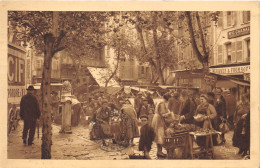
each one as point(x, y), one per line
point(156, 39)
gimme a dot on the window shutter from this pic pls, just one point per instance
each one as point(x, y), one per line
point(229, 18)
point(220, 19)
point(233, 52)
point(233, 16)
point(246, 16)
point(220, 53)
point(239, 51)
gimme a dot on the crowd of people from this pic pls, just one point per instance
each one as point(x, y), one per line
point(117, 117)
point(211, 110)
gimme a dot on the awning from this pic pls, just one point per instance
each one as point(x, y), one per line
point(235, 81)
point(101, 75)
point(38, 85)
point(141, 89)
point(225, 84)
point(240, 82)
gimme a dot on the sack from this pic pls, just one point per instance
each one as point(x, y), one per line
point(223, 127)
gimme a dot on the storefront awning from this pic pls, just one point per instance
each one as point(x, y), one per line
point(141, 89)
point(101, 75)
point(38, 85)
point(230, 82)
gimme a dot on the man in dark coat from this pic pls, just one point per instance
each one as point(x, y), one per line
point(188, 109)
point(147, 136)
point(220, 106)
point(138, 103)
point(29, 112)
point(174, 103)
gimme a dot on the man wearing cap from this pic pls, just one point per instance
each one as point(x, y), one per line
point(29, 112)
point(138, 103)
point(145, 108)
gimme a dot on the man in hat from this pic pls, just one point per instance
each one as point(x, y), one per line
point(29, 112)
point(138, 103)
point(220, 106)
point(145, 108)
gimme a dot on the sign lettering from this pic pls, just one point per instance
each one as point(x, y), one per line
point(239, 32)
point(16, 70)
point(231, 70)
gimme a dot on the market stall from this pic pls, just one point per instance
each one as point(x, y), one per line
point(183, 137)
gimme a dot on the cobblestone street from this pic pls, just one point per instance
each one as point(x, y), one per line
point(77, 146)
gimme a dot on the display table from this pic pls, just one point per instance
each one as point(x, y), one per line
point(177, 140)
point(201, 152)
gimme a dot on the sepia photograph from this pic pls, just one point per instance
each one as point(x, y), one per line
point(129, 85)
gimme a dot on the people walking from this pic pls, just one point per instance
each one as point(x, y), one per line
point(29, 112)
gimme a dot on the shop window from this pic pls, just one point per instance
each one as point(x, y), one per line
point(220, 55)
point(239, 51)
point(246, 16)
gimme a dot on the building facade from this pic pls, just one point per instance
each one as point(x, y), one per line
point(232, 50)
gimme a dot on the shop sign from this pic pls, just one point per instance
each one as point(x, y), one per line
point(231, 70)
point(239, 32)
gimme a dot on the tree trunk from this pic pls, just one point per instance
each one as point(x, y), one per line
point(45, 87)
point(115, 70)
point(158, 58)
point(150, 59)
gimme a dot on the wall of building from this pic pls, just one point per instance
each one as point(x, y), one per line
point(232, 36)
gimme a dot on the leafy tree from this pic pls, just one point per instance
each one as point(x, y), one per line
point(156, 39)
point(51, 32)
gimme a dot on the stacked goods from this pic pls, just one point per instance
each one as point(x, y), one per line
point(205, 131)
point(179, 128)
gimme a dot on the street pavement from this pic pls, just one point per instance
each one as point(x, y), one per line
point(78, 146)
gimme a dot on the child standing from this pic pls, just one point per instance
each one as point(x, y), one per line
point(147, 136)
